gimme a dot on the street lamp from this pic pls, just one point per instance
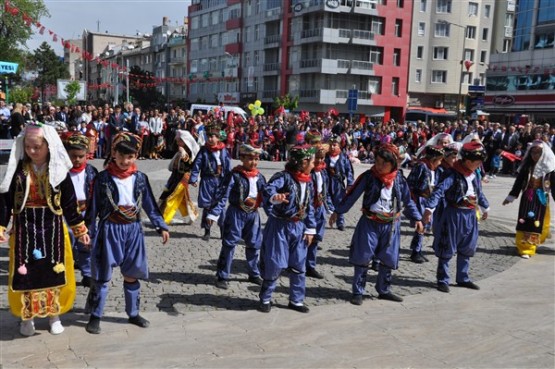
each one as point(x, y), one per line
point(459, 96)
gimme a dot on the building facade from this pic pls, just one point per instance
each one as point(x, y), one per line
point(240, 51)
point(521, 76)
point(450, 50)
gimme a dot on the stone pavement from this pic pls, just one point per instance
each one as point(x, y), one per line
point(508, 323)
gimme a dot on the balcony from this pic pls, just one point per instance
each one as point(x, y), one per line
point(272, 67)
point(235, 48)
point(178, 60)
point(362, 67)
point(273, 39)
point(333, 97)
point(233, 2)
point(270, 94)
point(336, 35)
point(361, 37)
point(311, 33)
point(233, 24)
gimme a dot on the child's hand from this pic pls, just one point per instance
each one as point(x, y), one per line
point(333, 219)
point(419, 227)
point(194, 184)
point(308, 238)
point(280, 198)
point(210, 222)
point(165, 237)
point(85, 240)
point(427, 218)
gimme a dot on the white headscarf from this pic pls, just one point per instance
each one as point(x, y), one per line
point(546, 162)
point(434, 142)
point(58, 165)
point(187, 138)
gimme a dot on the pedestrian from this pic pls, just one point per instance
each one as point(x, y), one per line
point(422, 180)
point(378, 231)
point(212, 164)
point(341, 175)
point(82, 176)
point(38, 192)
point(175, 195)
point(243, 188)
point(323, 204)
point(288, 201)
point(456, 231)
point(535, 179)
point(495, 164)
point(121, 191)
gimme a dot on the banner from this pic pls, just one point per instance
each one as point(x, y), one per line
point(6, 67)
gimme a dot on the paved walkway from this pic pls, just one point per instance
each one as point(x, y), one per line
point(508, 323)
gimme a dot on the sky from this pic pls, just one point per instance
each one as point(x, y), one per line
point(68, 18)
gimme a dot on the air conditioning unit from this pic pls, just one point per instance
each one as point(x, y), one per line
point(439, 104)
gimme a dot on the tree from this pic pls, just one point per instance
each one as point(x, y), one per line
point(14, 33)
point(49, 66)
point(21, 94)
point(72, 89)
point(287, 101)
point(143, 88)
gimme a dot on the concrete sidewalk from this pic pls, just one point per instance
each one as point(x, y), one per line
point(509, 323)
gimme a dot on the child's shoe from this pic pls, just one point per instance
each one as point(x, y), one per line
point(56, 326)
point(27, 328)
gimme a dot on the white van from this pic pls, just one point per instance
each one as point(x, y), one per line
point(204, 109)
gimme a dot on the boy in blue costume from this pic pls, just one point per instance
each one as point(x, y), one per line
point(378, 232)
point(421, 181)
point(120, 193)
point(243, 187)
point(82, 176)
point(456, 230)
point(212, 163)
point(341, 174)
point(323, 204)
point(288, 201)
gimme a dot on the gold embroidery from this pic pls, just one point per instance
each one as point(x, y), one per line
point(40, 303)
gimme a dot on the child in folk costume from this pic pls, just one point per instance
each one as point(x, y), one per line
point(535, 179)
point(175, 195)
point(37, 191)
point(120, 193)
point(82, 176)
point(289, 203)
point(212, 163)
point(323, 204)
point(421, 181)
point(341, 175)
point(377, 233)
point(243, 187)
point(456, 230)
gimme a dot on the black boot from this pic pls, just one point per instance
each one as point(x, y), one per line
point(206, 236)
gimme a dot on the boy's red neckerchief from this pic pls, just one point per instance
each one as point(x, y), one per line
point(79, 169)
point(116, 171)
point(300, 176)
point(247, 173)
point(386, 179)
point(320, 167)
point(459, 167)
point(217, 147)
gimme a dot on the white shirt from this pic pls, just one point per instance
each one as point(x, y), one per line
point(384, 203)
point(125, 190)
point(253, 189)
point(78, 180)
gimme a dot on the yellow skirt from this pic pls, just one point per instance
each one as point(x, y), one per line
point(527, 242)
point(180, 200)
point(51, 301)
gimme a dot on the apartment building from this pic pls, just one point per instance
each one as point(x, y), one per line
point(521, 74)
point(242, 50)
point(450, 50)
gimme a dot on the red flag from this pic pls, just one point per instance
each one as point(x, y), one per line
point(468, 64)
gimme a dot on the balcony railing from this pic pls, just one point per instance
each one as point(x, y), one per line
point(315, 32)
point(362, 65)
point(270, 67)
point(272, 39)
point(311, 63)
point(364, 35)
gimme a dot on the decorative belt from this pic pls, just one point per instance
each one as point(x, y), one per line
point(381, 217)
point(250, 205)
point(318, 200)
point(124, 215)
point(465, 203)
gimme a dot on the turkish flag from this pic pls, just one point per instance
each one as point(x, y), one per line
point(468, 64)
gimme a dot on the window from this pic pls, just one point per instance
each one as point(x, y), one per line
point(418, 76)
point(256, 32)
point(375, 85)
point(471, 32)
point(419, 52)
point(439, 76)
point(506, 45)
point(400, 3)
point(472, 9)
point(485, 32)
point(214, 39)
point(205, 20)
point(256, 57)
point(483, 56)
point(440, 53)
point(467, 78)
point(469, 54)
point(398, 27)
point(421, 29)
point(215, 17)
point(442, 30)
point(195, 22)
point(395, 86)
point(423, 4)
point(443, 6)
point(376, 55)
point(487, 10)
point(377, 26)
point(396, 57)
point(248, 36)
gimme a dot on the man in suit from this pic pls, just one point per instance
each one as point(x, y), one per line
point(508, 143)
point(62, 115)
point(116, 123)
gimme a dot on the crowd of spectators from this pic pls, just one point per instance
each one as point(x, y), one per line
point(274, 134)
